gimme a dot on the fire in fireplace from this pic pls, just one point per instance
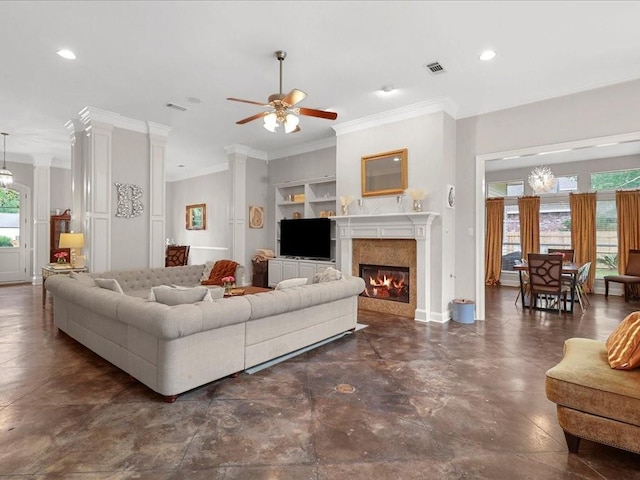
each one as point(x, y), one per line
point(385, 282)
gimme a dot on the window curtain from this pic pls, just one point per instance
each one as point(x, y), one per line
point(493, 240)
point(529, 210)
point(628, 209)
point(583, 232)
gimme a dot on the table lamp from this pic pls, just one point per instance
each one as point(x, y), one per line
point(75, 242)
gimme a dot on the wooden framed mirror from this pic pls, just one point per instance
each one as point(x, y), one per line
point(384, 173)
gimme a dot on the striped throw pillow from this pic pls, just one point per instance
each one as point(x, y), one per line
point(623, 345)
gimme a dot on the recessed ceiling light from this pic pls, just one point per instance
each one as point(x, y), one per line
point(68, 54)
point(181, 166)
point(487, 55)
point(194, 100)
point(388, 88)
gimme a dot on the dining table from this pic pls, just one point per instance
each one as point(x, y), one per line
point(568, 268)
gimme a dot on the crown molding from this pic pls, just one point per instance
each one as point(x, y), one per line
point(444, 104)
point(90, 115)
point(192, 173)
point(239, 149)
point(304, 148)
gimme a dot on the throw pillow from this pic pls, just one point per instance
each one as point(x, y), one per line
point(110, 284)
point(330, 274)
point(83, 278)
point(221, 269)
point(291, 282)
point(623, 345)
point(170, 295)
point(208, 266)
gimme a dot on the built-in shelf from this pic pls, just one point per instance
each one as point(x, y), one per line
point(318, 198)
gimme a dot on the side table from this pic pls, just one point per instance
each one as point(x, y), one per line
point(56, 269)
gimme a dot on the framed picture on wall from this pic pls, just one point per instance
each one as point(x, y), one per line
point(256, 217)
point(197, 217)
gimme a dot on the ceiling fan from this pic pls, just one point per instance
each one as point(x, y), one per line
point(283, 110)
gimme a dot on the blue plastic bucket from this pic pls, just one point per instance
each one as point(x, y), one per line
point(464, 311)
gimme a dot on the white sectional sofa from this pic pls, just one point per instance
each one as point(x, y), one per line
point(173, 349)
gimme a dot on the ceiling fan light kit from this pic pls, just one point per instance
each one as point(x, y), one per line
point(282, 107)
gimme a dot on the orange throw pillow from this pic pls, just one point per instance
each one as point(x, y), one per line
point(221, 269)
point(623, 345)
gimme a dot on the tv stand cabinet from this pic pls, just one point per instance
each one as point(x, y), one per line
point(282, 268)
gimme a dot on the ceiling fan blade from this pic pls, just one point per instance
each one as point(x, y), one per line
point(251, 118)
point(294, 96)
point(311, 112)
point(262, 104)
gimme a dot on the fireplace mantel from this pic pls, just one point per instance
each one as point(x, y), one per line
point(409, 225)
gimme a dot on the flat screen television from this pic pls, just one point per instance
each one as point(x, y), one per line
point(305, 237)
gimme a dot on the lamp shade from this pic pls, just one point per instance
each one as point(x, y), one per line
point(71, 240)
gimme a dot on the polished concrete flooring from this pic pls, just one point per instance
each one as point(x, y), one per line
point(396, 400)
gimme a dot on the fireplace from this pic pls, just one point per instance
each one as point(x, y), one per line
point(390, 239)
point(386, 282)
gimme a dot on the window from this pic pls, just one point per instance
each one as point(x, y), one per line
point(564, 184)
point(606, 238)
point(9, 218)
point(511, 248)
point(505, 189)
point(555, 225)
point(621, 179)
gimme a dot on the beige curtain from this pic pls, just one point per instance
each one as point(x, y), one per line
point(628, 208)
point(583, 232)
point(529, 209)
point(493, 241)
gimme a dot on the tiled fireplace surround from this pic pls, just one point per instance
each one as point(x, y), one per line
point(399, 239)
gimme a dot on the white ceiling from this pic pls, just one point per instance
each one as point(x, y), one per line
point(134, 57)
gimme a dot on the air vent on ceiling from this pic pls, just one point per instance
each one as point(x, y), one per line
point(435, 68)
point(176, 107)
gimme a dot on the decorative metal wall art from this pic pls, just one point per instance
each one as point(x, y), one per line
point(129, 203)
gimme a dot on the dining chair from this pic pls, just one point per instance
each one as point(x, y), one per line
point(630, 277)
point(581, 278)
point(568, 254)
point(176, 255)
point(545, 279)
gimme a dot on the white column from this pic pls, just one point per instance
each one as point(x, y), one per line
point(237, 155)
point(158, 135)
point(41, 200)
point(97, 163)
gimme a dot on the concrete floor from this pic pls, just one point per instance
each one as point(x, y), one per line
point(429, 401)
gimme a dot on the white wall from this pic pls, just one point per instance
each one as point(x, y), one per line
point(257, 188)
point(430, 143)
point(212, 190)
point(596, 113)
point(130, 164)
point(60, 196)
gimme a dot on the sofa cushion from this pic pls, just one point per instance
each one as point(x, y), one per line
point(222, 268)
point(109, 283)
point(83, 278)
point(173, 295)
point(623, 345)
point(291, 282)
point(208, 266)
point(584, 381)
point(330, 274)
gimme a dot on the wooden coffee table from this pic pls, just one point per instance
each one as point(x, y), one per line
point(249, 290)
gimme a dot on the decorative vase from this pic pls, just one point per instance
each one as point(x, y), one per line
point(61, 260)
point(227, 288)
point(417, 205)
point(345, 209)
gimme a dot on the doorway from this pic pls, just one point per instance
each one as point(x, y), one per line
point(14, 233)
